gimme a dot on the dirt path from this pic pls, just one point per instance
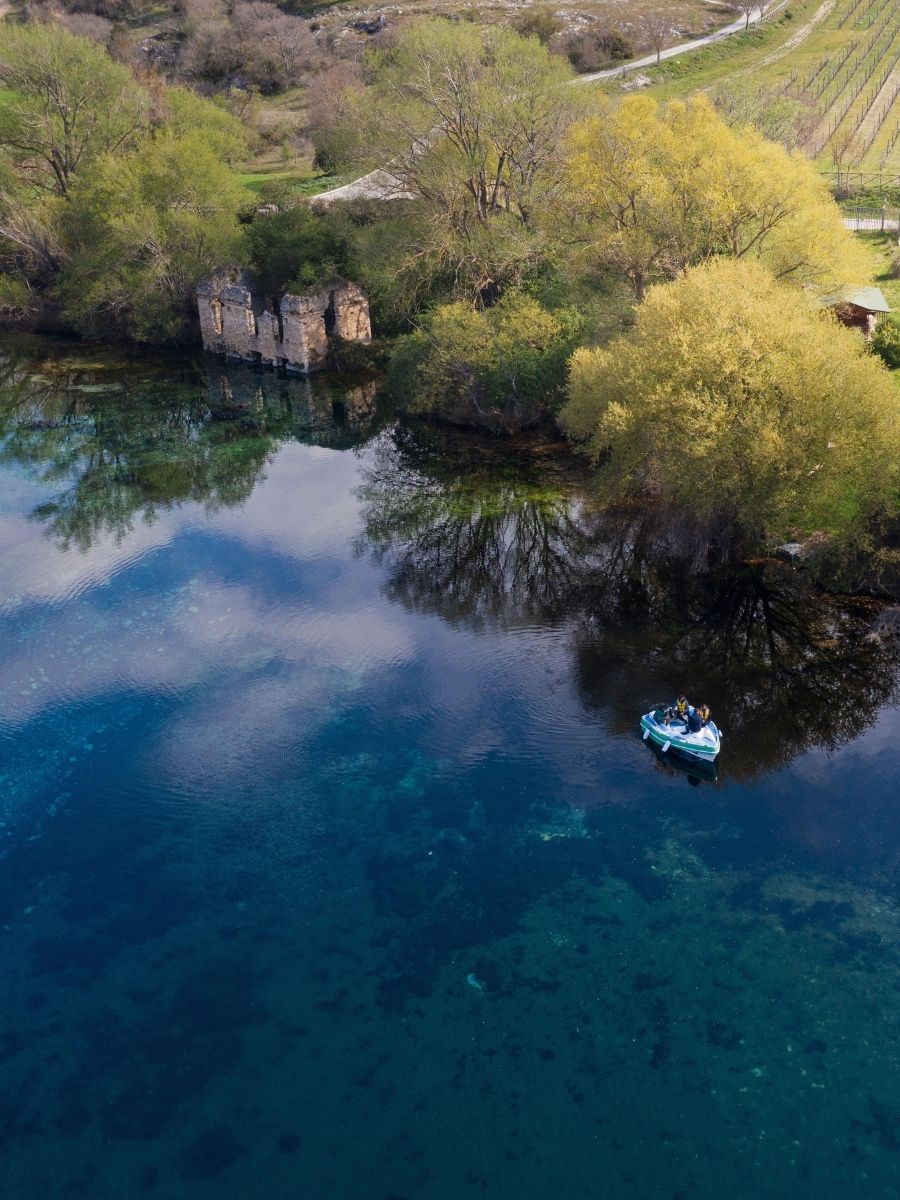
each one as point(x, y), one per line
point(799, 37)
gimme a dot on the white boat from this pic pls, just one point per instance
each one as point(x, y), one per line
point(675, 734)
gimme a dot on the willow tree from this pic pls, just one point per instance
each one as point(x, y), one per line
point(67, 103)
point(141, 232)
point(738, 395)
point(653, 190)
point(471, 122)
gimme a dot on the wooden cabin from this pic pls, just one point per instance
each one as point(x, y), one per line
point(859, 308)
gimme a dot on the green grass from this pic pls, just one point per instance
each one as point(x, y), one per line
point(699, 69)
point(884, 249)
point(304, 183)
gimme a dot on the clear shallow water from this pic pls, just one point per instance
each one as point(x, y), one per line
point(332, 863)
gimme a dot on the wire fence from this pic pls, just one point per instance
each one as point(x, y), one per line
point(873, 220)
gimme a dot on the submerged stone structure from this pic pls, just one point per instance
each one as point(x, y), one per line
point(236, 321)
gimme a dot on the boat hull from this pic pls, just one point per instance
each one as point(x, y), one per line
point(703, 746)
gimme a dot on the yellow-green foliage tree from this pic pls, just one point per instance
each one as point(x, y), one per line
point(68, 103)
point(143, 227)
point(739, 396)
point(655, 189)
point(502, 367)
point(115, 196)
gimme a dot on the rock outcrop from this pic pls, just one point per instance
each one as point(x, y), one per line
point(237, 322)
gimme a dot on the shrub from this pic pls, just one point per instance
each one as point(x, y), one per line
point(503, 367)
point(594, 48)
point(886, 343)
point(735, 397)
point(540, 23)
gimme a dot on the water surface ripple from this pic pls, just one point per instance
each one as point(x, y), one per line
point(332, 862)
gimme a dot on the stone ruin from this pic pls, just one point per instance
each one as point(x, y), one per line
point(236, 321)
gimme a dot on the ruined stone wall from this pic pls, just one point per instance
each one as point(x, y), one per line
point(234, 321)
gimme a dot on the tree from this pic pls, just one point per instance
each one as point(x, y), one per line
point(330, 98)
point(182, 111)
point(736, 395)
point(256, 40)
point(297, 248)
point(471, 122)
point(503, 367)
point(846, 152)
point(143, 229)
point(657, 25)
point(748, 8)
point(653, 190)
point(68, 103)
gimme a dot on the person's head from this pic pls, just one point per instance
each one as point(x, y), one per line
point(682, 696)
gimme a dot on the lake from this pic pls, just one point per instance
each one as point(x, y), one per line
point(333, 864)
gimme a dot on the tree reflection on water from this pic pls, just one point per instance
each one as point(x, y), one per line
point(485, 538)
point(478, 533)
point(125, 439)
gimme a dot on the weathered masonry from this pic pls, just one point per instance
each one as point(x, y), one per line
point(235, 321)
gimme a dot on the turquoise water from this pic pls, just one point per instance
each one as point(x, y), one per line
point(332, 862)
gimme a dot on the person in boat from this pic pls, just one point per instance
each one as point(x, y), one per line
point(703, 713)
point(679, 710)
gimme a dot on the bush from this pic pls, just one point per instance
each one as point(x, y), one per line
point(503, 367)
point(886, 343)
point(297, 248)
point(735, 397)
point(595, 48)
point(540, 23)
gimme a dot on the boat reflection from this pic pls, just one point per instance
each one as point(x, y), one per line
point(693, 770)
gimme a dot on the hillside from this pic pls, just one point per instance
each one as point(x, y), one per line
point(836, 61)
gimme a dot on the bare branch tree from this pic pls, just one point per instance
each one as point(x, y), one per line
point(748, 8)
point(657, 25)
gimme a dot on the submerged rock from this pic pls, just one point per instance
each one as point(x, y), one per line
point(886, 626)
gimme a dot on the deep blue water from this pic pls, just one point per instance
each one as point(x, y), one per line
point(333, 865)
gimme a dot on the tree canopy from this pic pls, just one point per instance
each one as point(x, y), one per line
point(656, 189)
point(68, 103)
point(142, 229)
point(115, 196)
point(470, 121)
point(502, 367)
point(738, 394)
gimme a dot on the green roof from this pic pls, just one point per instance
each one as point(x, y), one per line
point(870, 298)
